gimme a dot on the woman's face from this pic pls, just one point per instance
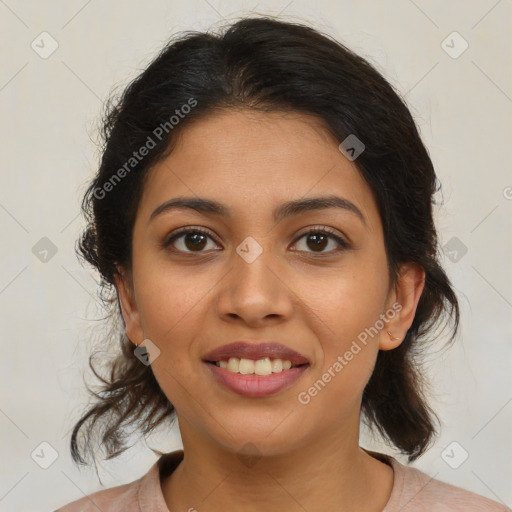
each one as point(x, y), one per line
point(257, 277)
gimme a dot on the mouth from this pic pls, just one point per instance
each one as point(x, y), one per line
point(246, 351)
point(255, 370)
point(262, 367)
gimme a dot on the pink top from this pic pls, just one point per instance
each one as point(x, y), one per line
point(413, 491)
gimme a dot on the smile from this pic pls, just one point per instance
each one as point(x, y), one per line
point(255, 379)
point(265, 366)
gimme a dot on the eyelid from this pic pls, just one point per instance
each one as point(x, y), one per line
point(332, 233)
point(319, 228)
point(326, 230)
point(174, 235)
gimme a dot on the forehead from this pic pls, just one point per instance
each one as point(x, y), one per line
point(254, 161)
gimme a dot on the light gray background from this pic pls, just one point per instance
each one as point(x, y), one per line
point(49, 112)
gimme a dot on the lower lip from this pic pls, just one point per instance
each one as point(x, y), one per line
point(256, 385)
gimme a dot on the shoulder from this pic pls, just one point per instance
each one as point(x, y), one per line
point(122, 497)
point(415, 491)
point(141, 495)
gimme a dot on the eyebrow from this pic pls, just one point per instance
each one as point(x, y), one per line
point(285, 210)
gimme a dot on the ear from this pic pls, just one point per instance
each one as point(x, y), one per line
point(405, 296)
point(129, 309)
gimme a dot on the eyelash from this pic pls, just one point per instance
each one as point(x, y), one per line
point(321, 230)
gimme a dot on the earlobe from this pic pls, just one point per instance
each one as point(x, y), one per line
point(128, 305)
point(407, 293)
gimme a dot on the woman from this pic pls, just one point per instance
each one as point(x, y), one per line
point(263, 217)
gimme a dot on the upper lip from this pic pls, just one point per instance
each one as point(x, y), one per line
point(248, 350)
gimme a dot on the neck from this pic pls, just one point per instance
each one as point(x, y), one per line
point(331, 473)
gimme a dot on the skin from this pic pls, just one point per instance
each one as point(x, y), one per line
point(315, 301)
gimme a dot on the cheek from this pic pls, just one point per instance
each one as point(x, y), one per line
point(349, 323)
point(171, 303)
point(348, 352)
point(352, 301)
point(168, 300)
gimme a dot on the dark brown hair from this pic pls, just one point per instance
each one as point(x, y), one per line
point(271, 65)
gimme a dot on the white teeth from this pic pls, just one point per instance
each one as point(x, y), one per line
point(246, 366)
point(264, 366)
point(277, 365)
point(233, 364)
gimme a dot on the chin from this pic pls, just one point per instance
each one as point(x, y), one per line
point(270, 439)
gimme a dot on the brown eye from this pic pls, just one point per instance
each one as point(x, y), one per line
point(195, 240)
point(318, 239)
point(189, 240)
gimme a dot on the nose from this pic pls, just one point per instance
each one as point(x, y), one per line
point(255, 291)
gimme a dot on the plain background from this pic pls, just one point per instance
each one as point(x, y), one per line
point(50, 109)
